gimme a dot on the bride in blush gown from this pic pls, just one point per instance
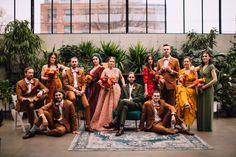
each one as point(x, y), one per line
point(108, 97)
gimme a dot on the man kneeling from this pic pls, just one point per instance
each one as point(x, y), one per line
point(161, 117)
point(58, 117)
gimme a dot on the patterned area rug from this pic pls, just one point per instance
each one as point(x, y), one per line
point(131, 140)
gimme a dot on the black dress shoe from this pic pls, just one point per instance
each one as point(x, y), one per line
point(120, 132)
point(89, 129)
point(109, 126)
point(28, 135)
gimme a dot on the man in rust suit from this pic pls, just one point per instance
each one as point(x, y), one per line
point(75, 85)
point(168, 67)
point(161, 117)
point(31, 94)
point(58, 117)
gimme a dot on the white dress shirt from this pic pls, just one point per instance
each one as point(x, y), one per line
point(29, 84)
point(60, 105)
point(157, 117)
point(74, 72)
point(130, 91)
point(166, 61)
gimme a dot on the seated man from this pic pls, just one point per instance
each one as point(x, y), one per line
point(31, 94)
point(58, 116)
point(75, 85)
point(131, 100)
point(158, 115)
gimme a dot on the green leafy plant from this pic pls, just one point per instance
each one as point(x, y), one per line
point(86, 50)
point(197, 41)
point(83, 52)
point(21, 46)
point(6, 90)
point(68, 51)
point(225, 90)
point(136, 58)
point(40, 61)
point(112, 49)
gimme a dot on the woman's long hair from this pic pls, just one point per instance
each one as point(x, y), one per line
point(50, 55)
point(146, 61)
point(209, 54)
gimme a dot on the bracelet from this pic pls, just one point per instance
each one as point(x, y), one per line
point(173, 113)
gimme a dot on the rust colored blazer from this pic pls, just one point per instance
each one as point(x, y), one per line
point(170, 79)
point(68, 80)
point(22, 88)
point(68, 112)
point(148, 113)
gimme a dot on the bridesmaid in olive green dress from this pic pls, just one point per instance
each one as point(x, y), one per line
point(206, 93)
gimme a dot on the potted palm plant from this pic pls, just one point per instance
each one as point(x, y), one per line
point(136, 58)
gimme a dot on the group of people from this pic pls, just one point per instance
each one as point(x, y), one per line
point(168, 102)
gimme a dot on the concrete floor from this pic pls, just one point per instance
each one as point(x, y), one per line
point(223, 139)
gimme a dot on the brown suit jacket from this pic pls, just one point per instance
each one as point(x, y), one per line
point(148, 113)
point(170, 79)
point(22, 88)
point(68, 111)
point(68, 80)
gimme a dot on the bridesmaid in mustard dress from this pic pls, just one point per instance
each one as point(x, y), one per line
point(186, 100)
point(108, 97)
point(50, 75)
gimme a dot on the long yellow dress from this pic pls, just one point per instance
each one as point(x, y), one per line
point(186, 100)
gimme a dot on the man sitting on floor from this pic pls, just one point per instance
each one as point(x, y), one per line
point(58, 116)
point(159, 115)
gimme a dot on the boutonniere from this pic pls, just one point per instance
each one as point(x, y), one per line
point(134, 87)
point(157, 107)
point(33, 82)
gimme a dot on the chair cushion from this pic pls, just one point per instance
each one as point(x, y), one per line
point(133, 115)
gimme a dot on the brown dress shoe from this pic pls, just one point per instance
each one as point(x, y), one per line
point(187, 132)
point(28, 135)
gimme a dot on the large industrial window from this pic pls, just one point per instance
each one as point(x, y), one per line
point(121, 16)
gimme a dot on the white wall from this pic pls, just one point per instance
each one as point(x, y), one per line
point(125, 40)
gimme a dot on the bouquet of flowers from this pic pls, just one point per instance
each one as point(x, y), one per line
point(88, 78)
point(152, 72)
point(159, 78)
point(200, 82)
point(108, 82)
point(51, 73)
point(183, 78)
